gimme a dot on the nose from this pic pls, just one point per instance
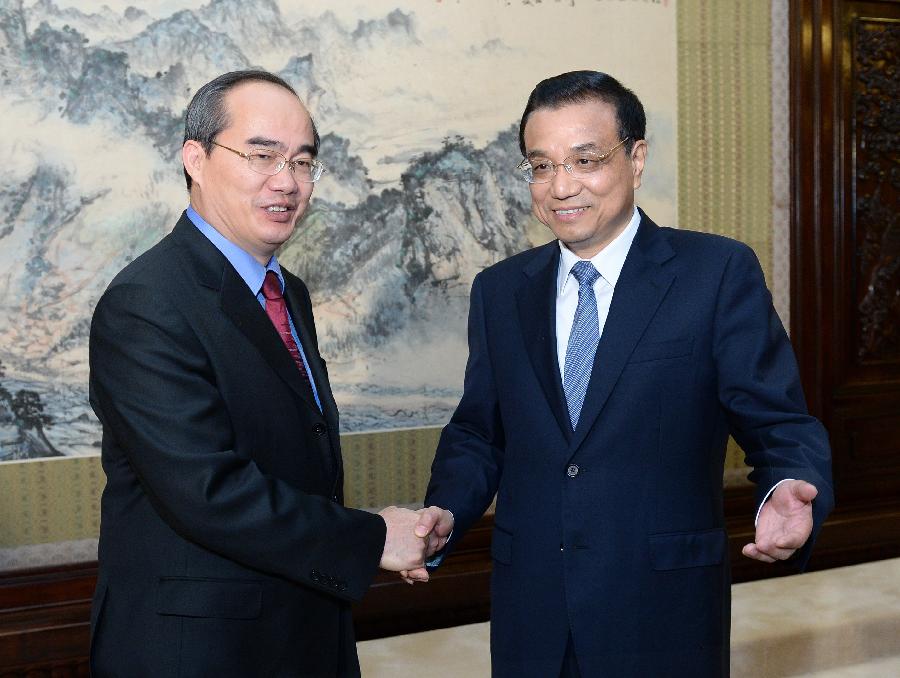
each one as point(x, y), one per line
point(564, 185)
point(284, 181)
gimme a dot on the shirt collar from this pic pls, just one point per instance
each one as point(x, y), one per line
point(251, 271)
point(608, 261)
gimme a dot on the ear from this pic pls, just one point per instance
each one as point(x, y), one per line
point(194, 158)
point(638, 156)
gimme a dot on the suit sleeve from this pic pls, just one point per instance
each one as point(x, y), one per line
point(466, 470)
point(154, 390)
point(759, 387)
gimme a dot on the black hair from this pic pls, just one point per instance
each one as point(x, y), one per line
point(578, 87)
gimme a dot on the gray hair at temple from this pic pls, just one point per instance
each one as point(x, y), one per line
point(207, 116)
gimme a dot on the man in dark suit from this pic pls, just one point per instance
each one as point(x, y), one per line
point(606, 371)
point(225, 549)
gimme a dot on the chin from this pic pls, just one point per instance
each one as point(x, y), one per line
point(571, 236)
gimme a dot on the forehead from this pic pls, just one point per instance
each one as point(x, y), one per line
point(268, 110)
point(572, 125)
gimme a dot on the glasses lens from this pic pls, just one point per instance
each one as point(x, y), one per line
point(526, 171)
point(306, 170)
point(583, 164)
point(541, 170)
point(266, 162)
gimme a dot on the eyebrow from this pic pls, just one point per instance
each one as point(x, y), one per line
point(589, 146)
point(265, 142)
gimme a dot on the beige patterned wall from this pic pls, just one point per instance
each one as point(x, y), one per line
point(732, 69)
point(732, 159)
point(724, 118)
point(45, 501)
point(780, 278)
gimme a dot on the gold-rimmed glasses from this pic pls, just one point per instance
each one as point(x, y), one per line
point(267, 161)
point(580, 165)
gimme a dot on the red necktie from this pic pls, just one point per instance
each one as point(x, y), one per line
point(277, 312)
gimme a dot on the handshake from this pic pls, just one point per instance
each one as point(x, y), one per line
point(412, 537)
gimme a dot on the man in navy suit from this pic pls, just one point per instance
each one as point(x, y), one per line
point(606, 370)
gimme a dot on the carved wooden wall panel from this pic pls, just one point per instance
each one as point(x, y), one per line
point(876, 188)
point(845, 254)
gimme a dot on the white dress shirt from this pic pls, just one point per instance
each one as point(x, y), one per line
point(608, 262)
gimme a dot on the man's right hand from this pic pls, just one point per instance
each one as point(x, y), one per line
point(403, 550)
point(435, 526)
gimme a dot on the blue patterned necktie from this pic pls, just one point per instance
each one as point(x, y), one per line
point(582, 341)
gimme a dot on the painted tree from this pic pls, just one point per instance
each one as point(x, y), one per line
point(29, 411)
point(5, 396)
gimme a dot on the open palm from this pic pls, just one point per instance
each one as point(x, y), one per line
point(785, 522)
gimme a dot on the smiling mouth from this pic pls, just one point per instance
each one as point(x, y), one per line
point(574, 210)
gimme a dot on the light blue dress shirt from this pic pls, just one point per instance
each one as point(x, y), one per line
point(253, 273)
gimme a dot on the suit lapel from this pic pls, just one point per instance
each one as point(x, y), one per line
point(245, 311)
point(641, 287)
point(296, 305)
point(237, 302)
point(299, 309)
point(536, 301)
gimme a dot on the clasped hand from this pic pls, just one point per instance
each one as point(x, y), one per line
point(412, 537)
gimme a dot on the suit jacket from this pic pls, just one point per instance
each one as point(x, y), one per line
point(224, 546)
point(615, 532)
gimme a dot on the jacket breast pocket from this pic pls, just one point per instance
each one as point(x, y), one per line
point(662, 350)
point(212, 598)
point(679, 550)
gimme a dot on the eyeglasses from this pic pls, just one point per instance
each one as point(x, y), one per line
point(265, 161)
point(579, 165)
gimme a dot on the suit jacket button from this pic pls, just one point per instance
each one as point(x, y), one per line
point(572, 471)
point(319, 429)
